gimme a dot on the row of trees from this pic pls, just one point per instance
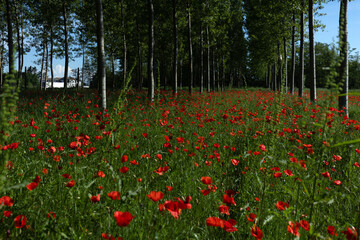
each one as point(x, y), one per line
point(208, 44)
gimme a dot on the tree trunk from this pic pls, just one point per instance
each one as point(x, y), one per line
point(83, 67)
point(78, 79)
point(151, 90)
point(51, 56)
point(293, 55)
point(208, 59)
point(113, 70)
point(175, 70)
point(1, 61)
point(18, 39)
point(302, 31)
point(46, 64)
point(280, 76)
point(213, 71)
point(344, 57)
point(42, 67)
point(274, 77)
point(10, 36)
point(312, 67)
point(285, 65)
point(66, 47)
point(124, 42)
point(201, 60)
point(26, 80)
point(140, 65)
point(191, 83)
point(101, 51)
point(223, 75)
point(181, 75)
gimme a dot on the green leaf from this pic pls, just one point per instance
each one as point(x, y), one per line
point(346, 143)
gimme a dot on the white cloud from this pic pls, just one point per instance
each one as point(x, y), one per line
point(59, 71)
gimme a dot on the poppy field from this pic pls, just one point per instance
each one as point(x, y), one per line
point(245, 164)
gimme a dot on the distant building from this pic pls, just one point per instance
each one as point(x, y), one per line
point(59, 83)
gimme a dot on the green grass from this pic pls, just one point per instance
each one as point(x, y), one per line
point(216, 135)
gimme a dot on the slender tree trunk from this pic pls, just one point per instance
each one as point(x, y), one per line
point(191, 83)
point(18, 39)
point(223, 74)
point(151, 90)
point(201, 59)
point(302, 31)
point(113, 70)
point(175, 70)
point(26, 80)
point(285, 65)
point(66, 47)
point(213, 71)
point(293, 55)
point(101, 52)
point(312, 67)
point(269, 76)
point(78, 79)
point(10, 36)
point(42, 67)
point(52, 56)
point(208, 59)
point(22, 46)
point(181, 75)
point(46, 64)
point(274, 77)
point(124, 42)
point(1, 61)
point(280, 75)
point(83, 66)
point(140, 65)
point(344, 57)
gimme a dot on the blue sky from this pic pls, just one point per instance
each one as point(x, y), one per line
point(328, 35)
point(331, 20)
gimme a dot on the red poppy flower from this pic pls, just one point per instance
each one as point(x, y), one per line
point(326, 174)
point(281, 205)
point(337, 182)
point(305, 225)
point(351, 233)
point(294, 228)
point(101, 174)
point(114, 195)
point(7, 213)
point(124, 158)
point(262, 147)
point(159, 156)
point(162, 170)
point(70, 184)
point(20, 221)
point(173, 208)
point(228, 199)
point(206, 180)
point(155, 196)
point(51, 215)
point(124, 169)
point(257, 233)
point(277, 174)
point(235, 162)
point(251, 217)
point(331, 230)
point(6, 200)
point(123, 219)
point(224, 209)
point(31, 186)
point(288, 172)
point(169, 188)
point(214, 222)
point(229, 225)
point(95, 198)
